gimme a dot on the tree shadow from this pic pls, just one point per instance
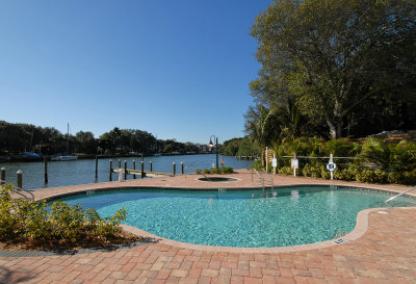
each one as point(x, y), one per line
point(11, 277)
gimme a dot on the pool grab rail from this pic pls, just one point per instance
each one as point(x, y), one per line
point(262, 181)
point(399, 194)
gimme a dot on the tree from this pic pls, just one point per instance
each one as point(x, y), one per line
point(332, 58)
point(85, 142)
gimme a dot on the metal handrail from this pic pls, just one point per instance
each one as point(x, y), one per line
point(399, 194)
point(19, 190)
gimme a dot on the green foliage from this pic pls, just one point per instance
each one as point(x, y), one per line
point(220, 170)
point(333, 69)
point(371, 160)
point(240, 147)
point(27, 221)
point(16, 138)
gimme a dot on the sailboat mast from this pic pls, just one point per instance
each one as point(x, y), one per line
point(67, 138)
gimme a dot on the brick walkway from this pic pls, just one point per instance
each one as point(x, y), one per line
point(385, 254)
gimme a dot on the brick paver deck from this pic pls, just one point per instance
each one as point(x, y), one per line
point(386, 253)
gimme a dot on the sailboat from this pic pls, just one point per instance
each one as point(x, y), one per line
point(67, 156)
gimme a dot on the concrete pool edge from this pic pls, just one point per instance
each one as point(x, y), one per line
point(359, 230)
point(361, 227)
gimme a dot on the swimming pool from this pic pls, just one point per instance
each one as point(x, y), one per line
point(240, 218)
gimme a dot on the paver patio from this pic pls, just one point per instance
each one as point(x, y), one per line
point(386, 253)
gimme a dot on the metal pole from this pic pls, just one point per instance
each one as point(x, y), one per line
point(19, 174)
point(216, 152)
point(125, 169)
point(110, 177)
point(134, 168)
point(45, 167)
point(2, 175)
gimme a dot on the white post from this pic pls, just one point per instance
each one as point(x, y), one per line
point(331, 166)
point(294, 163)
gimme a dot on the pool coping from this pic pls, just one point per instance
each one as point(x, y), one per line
point(359, 230)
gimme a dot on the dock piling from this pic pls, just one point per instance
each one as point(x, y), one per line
point(182, 168)
point(19, 179)
point(151, 166)
point(174, 169)
point(2, 175)
point(96, 168)
point(142, 169)
point(134, 168)
point(125, 170)
point(110, 176)
point(45, 169)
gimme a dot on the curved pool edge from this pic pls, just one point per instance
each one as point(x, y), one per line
point(360, 229)
point(53, 193)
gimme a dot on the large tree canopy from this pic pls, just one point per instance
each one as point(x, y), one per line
point(347, 67)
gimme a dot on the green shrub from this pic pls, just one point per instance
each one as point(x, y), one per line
point(310, 170)
point(221, 170)
point(376, 160)
point(285, 171)
point(371, 176)
point(349, 173)
point(60, 224)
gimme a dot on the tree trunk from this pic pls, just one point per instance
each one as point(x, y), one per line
point(332, 129)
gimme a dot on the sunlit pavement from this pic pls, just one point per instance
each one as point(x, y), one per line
point(386, 253)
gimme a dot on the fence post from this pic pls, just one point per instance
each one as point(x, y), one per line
point(110, 177)
point(125, 170)
point(45, 168)
point(142, 169)
point(19, 179)
point(182, 169)
point(134, 168)
point(174, 168)
point(151, 166)
point(2, 175)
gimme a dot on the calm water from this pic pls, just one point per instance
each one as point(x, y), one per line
point(83, 171)
point(250, 218)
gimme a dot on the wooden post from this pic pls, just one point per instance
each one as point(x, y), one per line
point(2, 175)
point(125, 169)
point(19, 179)
point(182, 169)
point(174, 169)
point(134, 168)
point(96, 168)
point(45, 167)
point(142, 169)
point(110, 177)
point(151, 166)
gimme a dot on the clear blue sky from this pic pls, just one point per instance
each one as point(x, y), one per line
point(178, 69)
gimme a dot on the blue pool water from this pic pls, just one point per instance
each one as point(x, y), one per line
point(243, 218)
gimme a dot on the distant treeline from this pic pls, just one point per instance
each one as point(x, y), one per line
point(243, 146)
point(17, 137)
